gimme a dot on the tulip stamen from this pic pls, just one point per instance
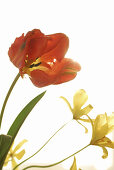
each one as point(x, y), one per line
point(34, 65)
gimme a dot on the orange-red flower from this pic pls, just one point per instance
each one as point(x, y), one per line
point(42, 58)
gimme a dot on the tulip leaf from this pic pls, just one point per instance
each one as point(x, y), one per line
point(4, 144)
point(23, 115)
point(18, 123)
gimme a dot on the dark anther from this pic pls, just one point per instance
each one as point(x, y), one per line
point(34, 65)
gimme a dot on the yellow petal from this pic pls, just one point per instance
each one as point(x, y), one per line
point(14, 164)
point(20, 154)
point(79, 99)
point(11, 150)
point(67, 103)
point(105, 153)
point(111, 119)
point(84, 111)
point(105, 142)
point(7, 160)
point(19, 145)
point(74, 167)
point(111, 123)
point(100, 126)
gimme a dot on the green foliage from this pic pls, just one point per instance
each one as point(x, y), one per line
point(23, 115)
point(4, 144)
point(18, 123)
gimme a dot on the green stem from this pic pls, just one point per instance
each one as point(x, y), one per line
point(47, 166)
point(7, 96)
point(43, 145)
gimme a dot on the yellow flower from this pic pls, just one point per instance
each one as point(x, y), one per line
point(79, 99)
point(13, 154)
point(102, 126)
point(74, 166)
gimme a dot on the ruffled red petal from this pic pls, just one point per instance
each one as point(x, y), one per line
point(40, 78)
point(27, 47)
point(57, 46)
point(61, 72)
point(15, 50)
point(36, 43)
point(67, 71)
point(52, 68)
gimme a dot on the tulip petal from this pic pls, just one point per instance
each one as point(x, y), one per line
point(67, 103)
point(19, 145)
point(105, 142)
point(11, 148)
point(40, 79)
point(14, 163)
point(35, 48)
point(67, 70)
point(57, 46)
point(15, 50)
point(59, 72)
point(84, 111)
point(74, 166)
point(65, 78)
point(26, 49)
point(105, 153)
point(7, 160)
point(110, 123)
point(20, 154)
point(79, 99)
point(100, 126)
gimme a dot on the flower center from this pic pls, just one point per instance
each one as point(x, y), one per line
point(31, 66)
point(34, 65)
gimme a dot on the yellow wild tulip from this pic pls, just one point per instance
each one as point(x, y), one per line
point(79, 99)
point(74, 166)
point(102, 126)
point(13, 154)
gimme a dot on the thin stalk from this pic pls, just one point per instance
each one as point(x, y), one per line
point(43, 145)
point(7, 96)
point(47, 166)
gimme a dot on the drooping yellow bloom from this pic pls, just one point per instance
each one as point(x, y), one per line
point(79, 99)
point(102, 126)
point(13, 154)
point(74, 166)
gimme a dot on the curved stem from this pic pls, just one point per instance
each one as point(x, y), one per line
point(43, 145)
point(92, 127)
point(7, 96)
point(86, 130)
point(47, 166)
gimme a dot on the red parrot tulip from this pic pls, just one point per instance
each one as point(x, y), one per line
point(42, 58)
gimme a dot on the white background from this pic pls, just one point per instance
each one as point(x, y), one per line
point(89, 24)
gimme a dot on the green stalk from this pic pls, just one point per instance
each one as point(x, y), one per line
point(43, 145)
point(7, 96)
point(47, 166)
